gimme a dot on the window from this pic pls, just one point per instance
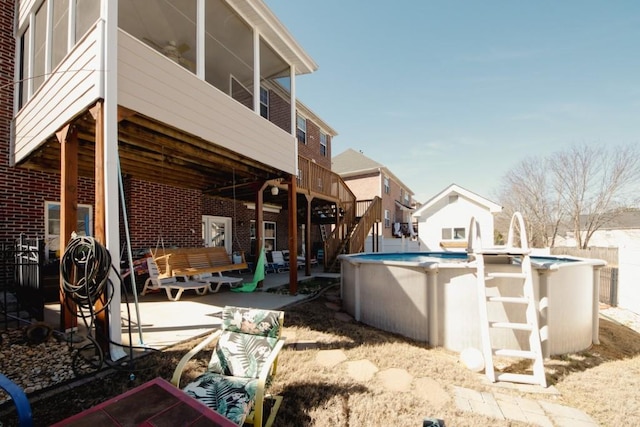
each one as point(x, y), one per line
point(87, 13)
point(23, 72)
point(269, 236)
point(386, 185)
point(387, 219)
point(323, 144)
point(264, 103)
point(60, 32)
point(52, 226)
point(40, 38)
point(458, 233)
point(406, 198)
point(301, 132)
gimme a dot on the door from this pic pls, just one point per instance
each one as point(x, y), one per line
point(216, 231)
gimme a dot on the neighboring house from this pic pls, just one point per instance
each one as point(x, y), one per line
point(443, 221)
point(622, 230)
point(192, 101)
point(368, 179)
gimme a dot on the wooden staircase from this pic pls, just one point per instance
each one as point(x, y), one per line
point(350, 237)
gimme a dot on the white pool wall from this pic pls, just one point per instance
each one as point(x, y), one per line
point(437, 303)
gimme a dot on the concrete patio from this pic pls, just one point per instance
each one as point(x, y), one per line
point(163, 323)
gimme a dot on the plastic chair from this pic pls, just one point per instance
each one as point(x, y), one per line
point(242, 365)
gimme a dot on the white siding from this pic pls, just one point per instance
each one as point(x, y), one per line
point(74, 86)
point(458, 214)
point(153, 85)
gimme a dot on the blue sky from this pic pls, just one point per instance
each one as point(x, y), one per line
point(446, 92)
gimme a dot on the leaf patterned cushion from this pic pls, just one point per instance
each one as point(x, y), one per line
point(251, 321)
point(241, 355)
point(231, 397)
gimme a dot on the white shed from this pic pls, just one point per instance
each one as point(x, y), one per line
point(443, 221)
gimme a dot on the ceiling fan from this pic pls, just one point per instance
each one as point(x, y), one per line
point(173, 51)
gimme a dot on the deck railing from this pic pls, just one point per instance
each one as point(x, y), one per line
point(372, 215)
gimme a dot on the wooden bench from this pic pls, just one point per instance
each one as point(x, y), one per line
point(196, 261)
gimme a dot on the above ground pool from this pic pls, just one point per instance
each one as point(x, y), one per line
point(433, 297)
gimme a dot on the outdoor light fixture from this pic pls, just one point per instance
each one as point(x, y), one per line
point(274, 190)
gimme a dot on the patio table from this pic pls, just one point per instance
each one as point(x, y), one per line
point(156, 402)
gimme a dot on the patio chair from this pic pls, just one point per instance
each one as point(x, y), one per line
point(258, 276)
point(241, 367)
point(169, 284)
point(279, 263)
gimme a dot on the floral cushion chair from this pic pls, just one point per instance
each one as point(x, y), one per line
point(241, 366)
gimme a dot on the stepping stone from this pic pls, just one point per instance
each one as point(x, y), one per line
point(429, 390)
point(344, 317)
point(361, 370)
point(332, 306)
point(396, 379)
point(330, 358)
point(333, 297)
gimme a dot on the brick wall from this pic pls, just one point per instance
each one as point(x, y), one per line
point(22, 192)
point(161, 213)
point(279, 112)
point(311, 149)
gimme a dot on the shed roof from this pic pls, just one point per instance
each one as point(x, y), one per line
point(453, 188)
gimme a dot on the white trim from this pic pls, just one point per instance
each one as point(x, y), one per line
point(200, 39)
point(453, 188)
point(48, 40)
point(48, 237)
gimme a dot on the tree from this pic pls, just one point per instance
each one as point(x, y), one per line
point(594, 182)
point(527, 189)
point(583, 185)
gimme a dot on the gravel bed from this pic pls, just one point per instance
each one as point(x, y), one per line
point(34, 366)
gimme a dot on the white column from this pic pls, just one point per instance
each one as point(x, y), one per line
point(292, 83)
point(200, 39)
point(112, 219)
point(256, 71)
point(48, 43)
point(71, 26)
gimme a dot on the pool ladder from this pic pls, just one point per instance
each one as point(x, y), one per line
point(527, 301)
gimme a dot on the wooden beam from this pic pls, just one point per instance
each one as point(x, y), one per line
point(68, 213)
point(293, 236)
point(259, 221)
point(102, 319)
point(307, 238)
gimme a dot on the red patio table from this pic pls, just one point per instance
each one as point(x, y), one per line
point(154, 403)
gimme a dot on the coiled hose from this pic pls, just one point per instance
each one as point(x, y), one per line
point(85, 268)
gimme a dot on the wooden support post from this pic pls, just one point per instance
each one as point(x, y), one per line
point(102, 319)
point(259, 222)
point(307, 239)
point(293, 235)
point(68, 138)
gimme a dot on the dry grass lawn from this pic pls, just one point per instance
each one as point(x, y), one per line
point(603, 381)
